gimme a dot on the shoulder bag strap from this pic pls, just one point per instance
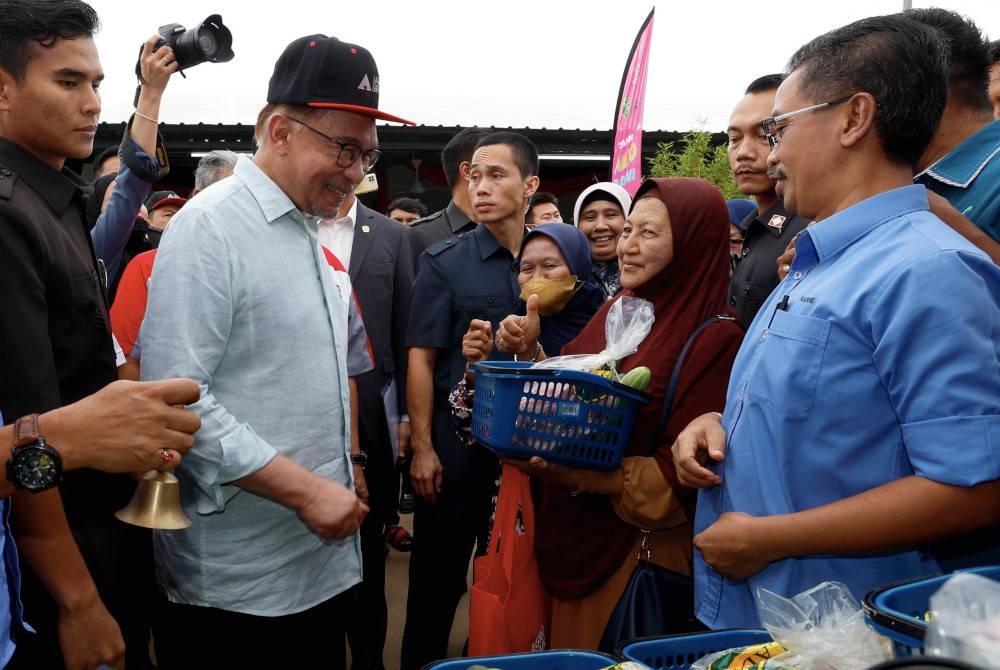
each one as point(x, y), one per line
point(675, 376)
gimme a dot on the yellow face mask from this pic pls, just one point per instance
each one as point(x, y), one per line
point(553, 294)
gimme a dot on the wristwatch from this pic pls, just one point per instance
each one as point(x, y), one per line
point(360, 459)
point(33, 464)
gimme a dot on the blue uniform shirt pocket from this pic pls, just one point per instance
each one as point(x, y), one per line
point(789, 363)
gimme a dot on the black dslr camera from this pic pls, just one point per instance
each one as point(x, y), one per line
point(209, 42)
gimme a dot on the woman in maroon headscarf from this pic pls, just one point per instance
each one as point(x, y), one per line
point(674, 252)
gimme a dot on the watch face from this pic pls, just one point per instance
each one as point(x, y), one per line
point(34, 468)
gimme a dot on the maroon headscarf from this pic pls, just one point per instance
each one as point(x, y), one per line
point(581, 541)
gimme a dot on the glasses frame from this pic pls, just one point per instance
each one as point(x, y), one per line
point(347, 152)
point(770, 124)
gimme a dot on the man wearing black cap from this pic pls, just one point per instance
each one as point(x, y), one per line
point(265, 575)
point(161, 205)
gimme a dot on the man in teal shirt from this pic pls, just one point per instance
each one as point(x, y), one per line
point(962, 161)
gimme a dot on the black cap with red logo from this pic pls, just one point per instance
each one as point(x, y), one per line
point(321, 71)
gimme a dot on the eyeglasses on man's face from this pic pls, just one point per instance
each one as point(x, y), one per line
point(774, 126)
point(347, 152)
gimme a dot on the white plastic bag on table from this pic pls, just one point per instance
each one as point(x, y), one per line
point(822, 628)
point(965, 621)
point(628, 323)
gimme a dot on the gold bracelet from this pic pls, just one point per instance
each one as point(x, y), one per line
point(148, 118)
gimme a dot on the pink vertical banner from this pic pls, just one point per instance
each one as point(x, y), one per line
point(626, 157)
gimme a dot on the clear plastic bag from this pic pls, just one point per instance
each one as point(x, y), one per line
point(628, 323)
point(965, 621)
point(822, 628)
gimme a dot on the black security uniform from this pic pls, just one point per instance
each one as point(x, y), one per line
point(57, 349)
point(467, 277)
point(437, 227)
point(756, 272)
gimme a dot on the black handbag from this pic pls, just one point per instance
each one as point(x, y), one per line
point(656, 601)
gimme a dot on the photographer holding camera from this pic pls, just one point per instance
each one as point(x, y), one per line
point(143, 161)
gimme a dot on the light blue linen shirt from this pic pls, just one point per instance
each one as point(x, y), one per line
point(242, 300)
point(884, 364)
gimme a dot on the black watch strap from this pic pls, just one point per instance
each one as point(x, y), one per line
point(360, 459)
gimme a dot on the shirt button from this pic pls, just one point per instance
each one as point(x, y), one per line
point(797, 275)
point(491, 301)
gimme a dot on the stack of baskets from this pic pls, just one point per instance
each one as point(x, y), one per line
point(899, 610)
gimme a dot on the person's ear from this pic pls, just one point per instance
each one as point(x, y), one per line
point(858, 118)
point(464, 169)
point(530, 186)
point(6, 85)
point(279, 131)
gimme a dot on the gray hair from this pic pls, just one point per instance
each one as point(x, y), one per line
point(213, 166)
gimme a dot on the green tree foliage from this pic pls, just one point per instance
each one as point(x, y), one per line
point(696, 158)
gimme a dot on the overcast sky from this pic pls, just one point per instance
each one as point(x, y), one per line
point(539, 63)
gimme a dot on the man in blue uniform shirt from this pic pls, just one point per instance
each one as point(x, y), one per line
point(862, 419)
point(460, 279)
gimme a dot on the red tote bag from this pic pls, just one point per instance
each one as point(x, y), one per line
point(509, 610)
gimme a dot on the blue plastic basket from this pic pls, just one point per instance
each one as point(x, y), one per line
point(539, 660)
point(678, 652)
point(899, 610)
point(568, 417)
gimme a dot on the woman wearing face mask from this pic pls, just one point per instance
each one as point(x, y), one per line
point(554, 264)
point(600, 214)
point(672, 253)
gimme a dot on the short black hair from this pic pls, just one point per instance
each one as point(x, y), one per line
point(107, 153)
point(769, 82)
point(523, 150)
point(459, 150)
point(411, 205)
point(969, 54)
point(542, 196)
point(42, 22)
point(995, 51)
point(900, 62)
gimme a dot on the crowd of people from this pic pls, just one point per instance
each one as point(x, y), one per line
point(824, 381)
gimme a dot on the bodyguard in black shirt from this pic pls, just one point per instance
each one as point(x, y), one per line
point(771, 227)
point(57, 347)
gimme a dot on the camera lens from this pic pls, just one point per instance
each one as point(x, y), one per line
point(210, 41)
point(207, 43)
